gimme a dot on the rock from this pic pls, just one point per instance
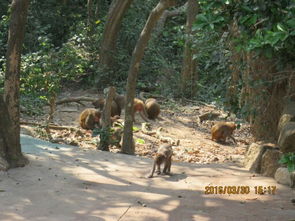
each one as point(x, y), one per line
point(288, 115)
point(252, 160)
point(269, 162)
point(69, 109)
point(283, 176)
point(286, 139)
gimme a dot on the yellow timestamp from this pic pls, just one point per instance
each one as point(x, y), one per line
point(240, 189)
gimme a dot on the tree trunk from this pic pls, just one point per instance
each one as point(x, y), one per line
point(106, 121)
point(10, 153)
point(90, 18)
point(189, 73)
point(137, 55)
point(166, 14)
point(10, 126)
point(111, 30)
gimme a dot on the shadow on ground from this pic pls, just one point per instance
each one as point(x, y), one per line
point(64, 183)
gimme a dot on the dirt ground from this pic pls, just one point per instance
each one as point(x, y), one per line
point(178, 122)
point(81, 183)
point(67, 183)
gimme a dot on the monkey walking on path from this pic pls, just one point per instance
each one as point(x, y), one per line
point(163, 156)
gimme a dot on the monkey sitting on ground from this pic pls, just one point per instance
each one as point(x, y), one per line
point(90, 118)
point(164, 155)
point(138, 105)
point(119, 99)
point(221, 130)
point(115, 109)
point(152, 108)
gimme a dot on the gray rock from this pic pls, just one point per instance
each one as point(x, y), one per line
point(252, 161)
point(286, 139)
point(288, 115)
point(269, 162)
point(283, 176)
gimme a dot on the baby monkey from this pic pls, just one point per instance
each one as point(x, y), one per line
point(220, 131)
point(164, 155)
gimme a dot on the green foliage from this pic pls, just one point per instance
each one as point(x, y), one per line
point(54, 20)
point(45, 70)
point(265, 27)
point(213, 58)
point(140, 141)
point(104, 134)
point(4, 23)
point(289, 160)
point(135, 129)
point(268, 26)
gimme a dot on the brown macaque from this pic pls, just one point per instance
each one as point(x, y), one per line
point(139, 106)
point(115, 109)
point(119, 99)
point(90, 118)
point(152, 108)
point(164, 155)
point(221, 130)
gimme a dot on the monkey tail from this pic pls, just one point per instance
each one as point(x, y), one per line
point(141, 96)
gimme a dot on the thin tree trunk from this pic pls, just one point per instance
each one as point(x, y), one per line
point(127, 146)
point(111, 30)
point(189, 73)
point(106, 121)
point(16, 34)
point(166, 14)
point(90, 18)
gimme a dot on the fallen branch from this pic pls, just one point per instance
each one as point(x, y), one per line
point(75, 99)
point(166, 139)
point(199, 102)
point(52, 126)
point(143, 95)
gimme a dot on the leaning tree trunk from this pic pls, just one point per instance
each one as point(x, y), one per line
point(11, 142)
point(111, 30)
point(188, 73)
point(166, 14)
point(137, 55)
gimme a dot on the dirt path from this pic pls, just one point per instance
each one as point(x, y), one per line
point(66, 183)
point(179, 122)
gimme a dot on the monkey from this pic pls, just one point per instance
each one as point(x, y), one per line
point(89, 118)
point(221, 130)
point(119, 99)
point(152, 108)
point(115, 109)
point(139, 106)
point(164, 155)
